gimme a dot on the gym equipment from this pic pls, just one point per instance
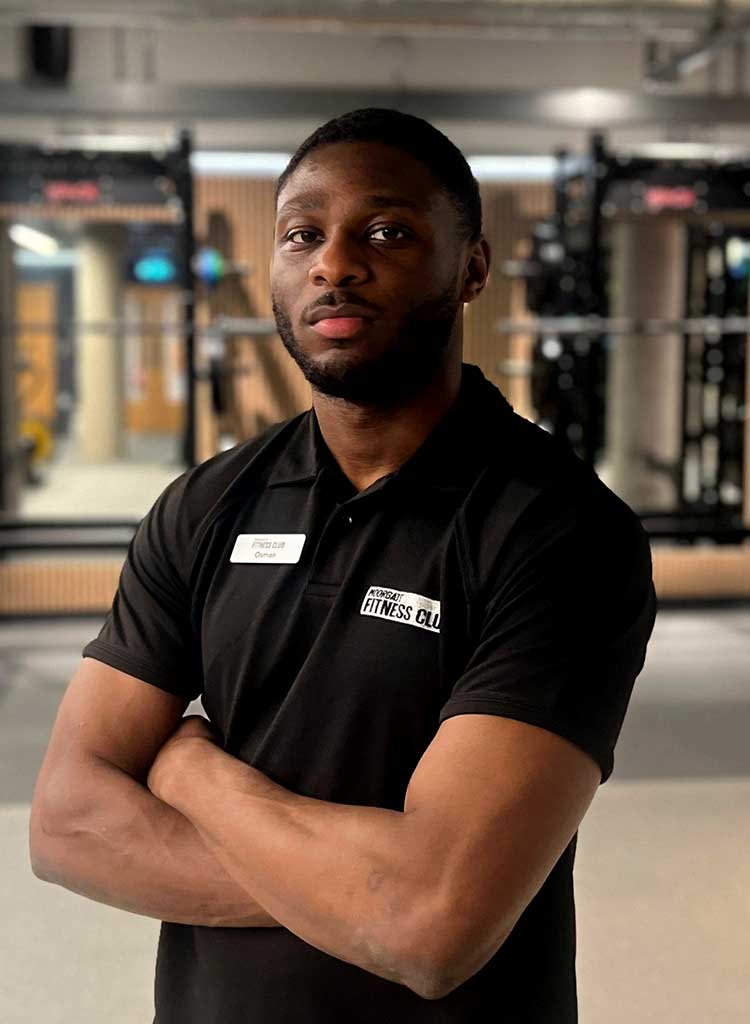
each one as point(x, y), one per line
point(211, 268)
point(572, 283)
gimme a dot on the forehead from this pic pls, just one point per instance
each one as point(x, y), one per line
point(370, 174)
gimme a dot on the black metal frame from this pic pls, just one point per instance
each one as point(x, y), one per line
point(586, 193)
point(144, 178)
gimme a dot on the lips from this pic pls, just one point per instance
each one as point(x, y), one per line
point(340, 326)
point(336, 312)
point(340, 321)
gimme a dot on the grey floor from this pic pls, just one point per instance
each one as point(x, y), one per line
point(69, 487)
point(662, 875)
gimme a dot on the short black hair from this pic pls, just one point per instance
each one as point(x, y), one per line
point(413, 135)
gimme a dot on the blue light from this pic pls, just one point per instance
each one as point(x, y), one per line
point(155, 267)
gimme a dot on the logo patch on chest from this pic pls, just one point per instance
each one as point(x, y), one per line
point(401, 606)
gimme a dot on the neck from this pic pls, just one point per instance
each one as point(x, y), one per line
point(370, 441)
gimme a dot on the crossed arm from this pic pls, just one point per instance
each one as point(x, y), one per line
point(423, 897)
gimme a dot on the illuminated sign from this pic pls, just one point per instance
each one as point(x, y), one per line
point(670, 197)
point(72, 191)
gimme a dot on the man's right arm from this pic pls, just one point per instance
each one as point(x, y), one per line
point(97, 830)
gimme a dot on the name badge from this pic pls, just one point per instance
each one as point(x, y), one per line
point(268, 548)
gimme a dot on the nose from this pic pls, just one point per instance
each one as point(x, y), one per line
point(339, 261)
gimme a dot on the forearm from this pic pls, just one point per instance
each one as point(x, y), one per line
point(343, 878)
point(128, 849)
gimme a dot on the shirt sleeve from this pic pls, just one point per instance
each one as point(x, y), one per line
point(564, 634)
point(147, 632)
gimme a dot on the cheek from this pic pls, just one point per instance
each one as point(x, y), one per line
point(287, 281)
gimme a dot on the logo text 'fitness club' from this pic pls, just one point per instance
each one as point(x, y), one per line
point(400, 606)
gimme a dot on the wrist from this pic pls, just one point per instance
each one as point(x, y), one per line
point(173, 773)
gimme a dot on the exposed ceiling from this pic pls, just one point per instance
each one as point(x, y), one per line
point(675, 20)
point(654, 46)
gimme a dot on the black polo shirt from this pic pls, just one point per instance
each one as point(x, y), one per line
point(330, 632)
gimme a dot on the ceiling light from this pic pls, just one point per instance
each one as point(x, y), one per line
point(232, 163)
point(36, 241)
point(513, 168)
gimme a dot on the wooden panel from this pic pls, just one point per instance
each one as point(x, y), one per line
point(746, 432)
point(510, 211)
point(236, 215)
point(154, 360)
point(36, 303)
point(57, 586)
point(85, 214)
point(702, 573)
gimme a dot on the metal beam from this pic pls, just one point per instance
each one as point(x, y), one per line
point(708, 326)
point(580, 107)
point(679, 65)
point(349, 15)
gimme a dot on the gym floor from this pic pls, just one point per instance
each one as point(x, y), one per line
point(662, 871)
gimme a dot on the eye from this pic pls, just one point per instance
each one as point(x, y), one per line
point(390, 228)
point(300, 231)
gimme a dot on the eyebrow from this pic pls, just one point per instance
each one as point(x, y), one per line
point(317, 200)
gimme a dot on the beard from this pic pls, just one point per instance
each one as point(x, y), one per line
point(403, 370)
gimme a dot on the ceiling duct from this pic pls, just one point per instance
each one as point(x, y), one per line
point(722, 33)
point(48, 53)
point(676, 21)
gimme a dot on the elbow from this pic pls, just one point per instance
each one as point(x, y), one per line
point(433, 981)
point(437, 980)
point(448, 957)
point(40, 856)
point(443, 976)
point(48, 836)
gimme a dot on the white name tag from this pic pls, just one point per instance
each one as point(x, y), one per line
point(266, 548)
point(401, 606)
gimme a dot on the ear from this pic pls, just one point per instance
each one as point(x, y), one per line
point(477, 270)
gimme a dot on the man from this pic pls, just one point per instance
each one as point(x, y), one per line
point(415, 620)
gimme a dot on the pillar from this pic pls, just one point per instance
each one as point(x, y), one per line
point(10, 462)
point(644, 374)
point(99, 353)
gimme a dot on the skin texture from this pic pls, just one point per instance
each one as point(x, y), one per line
point(97, 830)
point(424, 896)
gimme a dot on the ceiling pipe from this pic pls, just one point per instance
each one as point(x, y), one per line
point(720, 36)
point(674, 21)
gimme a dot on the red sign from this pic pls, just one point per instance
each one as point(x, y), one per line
point(72, 191)
point(670, 197)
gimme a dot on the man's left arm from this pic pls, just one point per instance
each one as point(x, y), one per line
point(423, 897)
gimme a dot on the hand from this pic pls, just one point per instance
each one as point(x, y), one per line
point(183, 744)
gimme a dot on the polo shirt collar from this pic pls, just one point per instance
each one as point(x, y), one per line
point(447, 459)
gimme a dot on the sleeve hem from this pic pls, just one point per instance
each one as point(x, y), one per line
point(532, 715)
point(126, 661)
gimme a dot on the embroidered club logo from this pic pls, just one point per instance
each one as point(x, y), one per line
point(401, 606)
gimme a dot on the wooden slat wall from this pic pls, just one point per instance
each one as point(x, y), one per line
point(57, 586)
point(510, 211)
point(236, 215)
point(120, 214)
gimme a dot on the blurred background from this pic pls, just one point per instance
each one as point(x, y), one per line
point(139, 147)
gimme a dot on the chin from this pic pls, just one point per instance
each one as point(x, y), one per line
point(365, 372)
